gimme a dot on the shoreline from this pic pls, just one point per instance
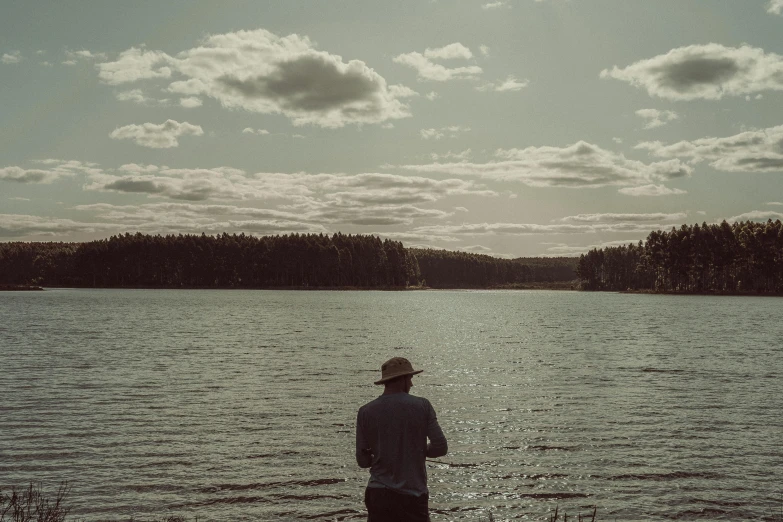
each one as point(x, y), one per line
point(705, 293)
point(527, 286)
point(20, 288)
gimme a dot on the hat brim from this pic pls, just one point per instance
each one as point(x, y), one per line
point(390, 377)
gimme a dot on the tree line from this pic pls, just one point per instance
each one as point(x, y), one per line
point(742, 257)
point(243, 261)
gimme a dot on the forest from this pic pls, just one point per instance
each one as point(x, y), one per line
point(738, 258)
point(243, 261)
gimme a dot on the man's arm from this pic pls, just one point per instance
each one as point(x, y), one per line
point(437, 447)
point(363, 451)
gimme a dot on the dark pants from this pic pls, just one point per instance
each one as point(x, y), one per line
point(385, 505)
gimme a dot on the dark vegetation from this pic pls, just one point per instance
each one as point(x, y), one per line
point(31, 505)
point(739, 258)
point(241, 261)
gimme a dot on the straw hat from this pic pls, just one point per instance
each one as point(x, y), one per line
point(396, 367)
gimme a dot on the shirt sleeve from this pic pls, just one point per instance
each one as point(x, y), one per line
point(438, 446)
point(363, 453)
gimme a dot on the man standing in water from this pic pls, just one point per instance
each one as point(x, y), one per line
point(391, 440)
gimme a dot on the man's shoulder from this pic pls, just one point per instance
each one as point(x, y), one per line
point(385, 401)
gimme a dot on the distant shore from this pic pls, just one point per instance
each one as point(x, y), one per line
point(703, 293)
point(19, 288)
point(553, 285)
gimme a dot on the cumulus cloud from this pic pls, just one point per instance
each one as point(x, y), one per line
point(458, 156)
point(775, 7)
point(432, 95)
point(190, 102)
point(577, 166)
point(251, 130)
point(436, 134)
point(509, 84)
point(11, 57)
point(707, 72)
point(138, 96)
point(55, 170)
point(656, 118)
point(452, 51)
point(136, 64)
point(363, 199)
point(751, 151)
point(429, 70)
point(156, 136)
point(84, 54)
point(358, 199)
point(261, 72)
point(651, 190)
point(775, 203)
point(484, 50)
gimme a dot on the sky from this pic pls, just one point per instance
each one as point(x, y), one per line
point(510, 127)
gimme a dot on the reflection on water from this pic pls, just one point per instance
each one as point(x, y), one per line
point(239, 405)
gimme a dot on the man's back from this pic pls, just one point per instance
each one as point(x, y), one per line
point(394, 428)
point(391, 440)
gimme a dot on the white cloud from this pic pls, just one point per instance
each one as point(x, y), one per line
point(707, 72)
point(251, 130)
point(509, 84)
point(452, 51)
point(11, 57)
point(617, 140)
point(484, 50)
point(656, 118)
point(136, 64)
point(615, 218)
point(776, 203)
point(84, 54)
point(577, 166)
point(436, 134)
point(156, 136)
point(750, 151)
point(365, 199)
point(757, 215)
point(56, 169)
point(322, 196)
point(138, 96)
point(190, 102)
point(432, 95)
point(775, 7)
point(458, 156)
point(651, 190)
point(20, 175)
point(429, 70)
point(494, 5)
point(261, 72)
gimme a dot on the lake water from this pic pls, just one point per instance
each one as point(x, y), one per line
point(240, 405)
